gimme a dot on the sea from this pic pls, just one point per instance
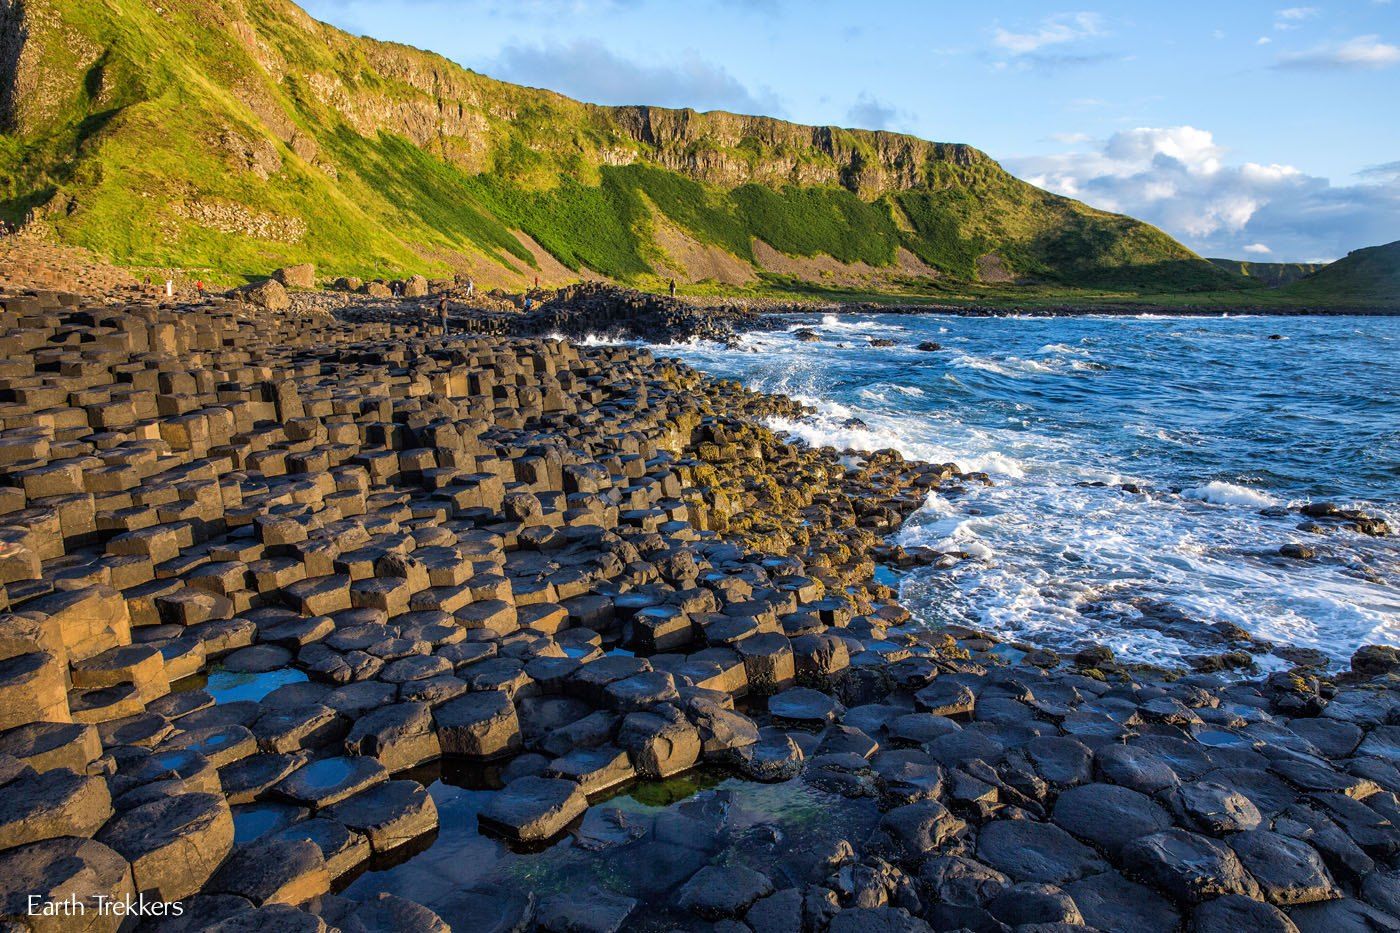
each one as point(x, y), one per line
point(1219, 427)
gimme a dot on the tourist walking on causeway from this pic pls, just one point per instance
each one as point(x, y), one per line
point(471, 288)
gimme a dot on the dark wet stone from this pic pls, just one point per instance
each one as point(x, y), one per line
point(341, 849)
point(804, 705)
point(877, 920)
point(1378, 836)
point(330, 780)
point(273, 871)
point(1031, 903)
point(1344, 916)
point(590, 911)
point(386, 912)
point(273, 918)
point(390, 814)
point(1334, 738)
point(961, 881)
point(957, 748)
point(258, 659)
point(776, 756)
point(1136, 768)
point(716, 892)
point(1061, 760)
point(945, 697)
point(1030, 851)
point(1235, 913)
point(1108, 816)
point(1342, 855)
point(478, 725)
point(1381, 889)
point(1187, 866)
point(1269, 794)
point(1288, 871)
point(913, 831)
point(917, 728)
point(779, 912)
point(532, 809)
point(1214, 808)
point(1112, 903)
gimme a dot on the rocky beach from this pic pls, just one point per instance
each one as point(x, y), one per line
point(319, 618)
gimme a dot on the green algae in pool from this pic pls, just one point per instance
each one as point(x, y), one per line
point(644, 842)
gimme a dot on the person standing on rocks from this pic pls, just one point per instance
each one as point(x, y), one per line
point(442, 313)
point(673, 288)
point(471, 288)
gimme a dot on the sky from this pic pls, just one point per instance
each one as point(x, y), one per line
point(1246, 129)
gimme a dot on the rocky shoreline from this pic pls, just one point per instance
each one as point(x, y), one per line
point(326, 620)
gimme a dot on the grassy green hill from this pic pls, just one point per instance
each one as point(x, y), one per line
point(236, 136)
point(1368, 276)
point(1268, 274)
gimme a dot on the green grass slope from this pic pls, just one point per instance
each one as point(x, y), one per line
point(1364, 277)
point(1268, 274)
point(241, 135)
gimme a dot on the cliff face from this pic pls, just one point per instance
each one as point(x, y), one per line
point(243, 134)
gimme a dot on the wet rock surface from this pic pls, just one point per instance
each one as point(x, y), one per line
point(319, 622)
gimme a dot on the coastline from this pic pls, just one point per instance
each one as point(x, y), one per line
point(583, 567)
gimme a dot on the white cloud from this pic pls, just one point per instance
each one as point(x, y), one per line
point(870, 113)
point(1053, 30)
point(1358, 53)
point(590, 71)
point(1263, 40)
point(1292, 17)
point(1257, 249)
point(1181, 179)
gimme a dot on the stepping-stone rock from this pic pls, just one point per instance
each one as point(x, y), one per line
point(661, 743)
point(1060, 760)
point(1135, 767)
point(776, 756)
point(779, 912)
point(917, 728)
point(389, 814)
point(1109, 901)
point(398, 737)
point(273, 871)
point(946, 697)
point(478, 725)
point(249, 778)
point(1108, 816)
point(1235, 913)
point(389, 912)
point(960, 881)
point(174, 845)
point(590, 911)
point(1344, 916)
point(912, 832)
point(1289, 872)
point(532, 809)
point(593, 769)
point(58, 870)
point(257, 659)
point(33, 687)
point(640, 691)
point(1381, 889)
point(716, 892)
point(803, 705)
point(341, 849)
point(144, 729)
point(221, 745)
point(1030, 851)
point(1030, 903)
point(328, 781)
point(1187, 866)
point(274, 918)
point(48, 745)
point(143, 666)
point(286, 730)
point(877, 920)
point(34, 807)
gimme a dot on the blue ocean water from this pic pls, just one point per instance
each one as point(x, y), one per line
point(1221, 420)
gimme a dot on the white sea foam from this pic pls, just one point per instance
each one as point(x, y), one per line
point(1222, 493)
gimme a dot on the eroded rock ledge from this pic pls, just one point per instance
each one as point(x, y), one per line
point(268, 577)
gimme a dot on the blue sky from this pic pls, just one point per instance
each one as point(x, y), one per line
point(1246, 129)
